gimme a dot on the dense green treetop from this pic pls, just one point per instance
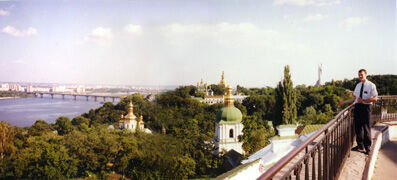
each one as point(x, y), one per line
point(40, 127)
point(219, 89)
point(385, 84)
point(285, 111)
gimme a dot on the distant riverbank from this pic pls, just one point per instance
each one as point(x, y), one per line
point(13, 94)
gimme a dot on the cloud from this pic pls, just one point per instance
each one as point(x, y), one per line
point(293, 2)
point(133, 29)
point(286, 17)
point(19, 33)
point(351, 22)
point(215, 30)
point(100, 35)
point(316, 17)
point(306, 2)
point(18, 62)
point(239, 36)
point(6, 11)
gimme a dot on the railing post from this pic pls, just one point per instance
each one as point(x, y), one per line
point(332, 153)
point(306, 161)
point(325, 156)
point(319, 162)
point(313, 156)
point(350, 126)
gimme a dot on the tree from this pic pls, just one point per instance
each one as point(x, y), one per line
point(80, 120)
point(255, 134)
point(259, 139)
point(44, 157)
point(200, 94)
point(310, 116)
point(218, 89)
point(107, 114)
point(81, 123)
point(39, 127)
point(255, 103)
point(63, 125)
point(286, 111)
point(7, 134)
point(242, 90)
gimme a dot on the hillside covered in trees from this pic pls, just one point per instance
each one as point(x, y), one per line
point(180, 146)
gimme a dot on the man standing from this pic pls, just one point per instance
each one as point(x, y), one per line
point(364, 95)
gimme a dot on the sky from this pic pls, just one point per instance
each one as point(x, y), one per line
point(175, 42)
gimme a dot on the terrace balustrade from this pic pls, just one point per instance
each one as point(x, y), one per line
point(322, 155)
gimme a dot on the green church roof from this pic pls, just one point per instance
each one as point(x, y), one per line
point(229, 114)
point(311, 128)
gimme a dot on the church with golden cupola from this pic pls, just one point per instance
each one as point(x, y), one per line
point(228, 126)
point(131, 122)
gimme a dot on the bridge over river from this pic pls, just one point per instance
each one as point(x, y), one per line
point(74, 96)
point(327, 153)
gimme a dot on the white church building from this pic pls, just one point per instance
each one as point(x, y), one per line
point(228, 126)
point(130, 121)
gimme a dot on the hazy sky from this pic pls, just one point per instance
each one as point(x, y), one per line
point(175, 42)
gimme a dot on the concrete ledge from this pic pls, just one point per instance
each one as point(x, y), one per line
point(389, 132)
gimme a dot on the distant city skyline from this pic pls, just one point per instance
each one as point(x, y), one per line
point(172, 42)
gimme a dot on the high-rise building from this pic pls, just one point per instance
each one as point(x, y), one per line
point(58, 89)
point(29, 88)
point(80, 89)
point(15, 87)
point(4, 87)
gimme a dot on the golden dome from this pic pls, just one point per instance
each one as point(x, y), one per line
point(229, 99)
point(130, 116)
point(229, 113)
point(223, 79)
point(141, 120)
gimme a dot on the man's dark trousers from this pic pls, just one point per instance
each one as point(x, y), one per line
point(362, 117)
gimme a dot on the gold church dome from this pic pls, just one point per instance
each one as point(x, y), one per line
point(130, 116)
point(229, 113)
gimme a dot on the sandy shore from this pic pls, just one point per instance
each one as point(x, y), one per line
point(8, 97)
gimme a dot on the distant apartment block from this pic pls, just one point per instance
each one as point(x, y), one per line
point(41, 89)
point(4, 87)
point(58, 89)
point(29, 88)
point(80, 89)
point(15, 87)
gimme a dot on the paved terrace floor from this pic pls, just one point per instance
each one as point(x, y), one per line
point(386, 164)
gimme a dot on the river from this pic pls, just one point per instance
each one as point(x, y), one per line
point(25, 111)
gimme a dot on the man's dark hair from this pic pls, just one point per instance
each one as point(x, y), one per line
point(361, 70)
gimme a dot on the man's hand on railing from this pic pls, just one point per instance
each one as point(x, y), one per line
point(349, 101)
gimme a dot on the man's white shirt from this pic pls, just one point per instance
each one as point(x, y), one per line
point(369, 90)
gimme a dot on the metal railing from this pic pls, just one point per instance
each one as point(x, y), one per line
point(385, 109)
point(322, 155)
